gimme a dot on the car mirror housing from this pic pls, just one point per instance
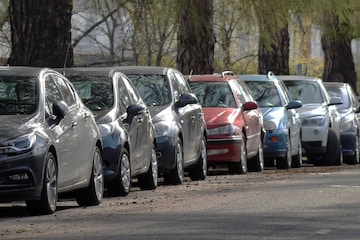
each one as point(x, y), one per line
point(60, 109)
point(135, 109)
point(249, 106)
point(185, 99)
point(294, 104)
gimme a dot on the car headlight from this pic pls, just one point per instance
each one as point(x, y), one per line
point(19, 145)
point(224, 130)
point(346, 122)
point(314, 121)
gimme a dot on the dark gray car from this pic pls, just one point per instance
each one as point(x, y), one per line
point(125, 125)
point(178, 119)
point(49, 141)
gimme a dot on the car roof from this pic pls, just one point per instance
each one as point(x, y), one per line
point(297, 77)
point(335, 84)
point(21, 70)
point(154, 70)
point(96, 71)
point(216, 77)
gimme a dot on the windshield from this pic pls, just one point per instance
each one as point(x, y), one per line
point(18, 95)
point(153, 89)
point(95, 91)
point(214, 94)
point(342, 94)
point(305, 91)
point(265, 93)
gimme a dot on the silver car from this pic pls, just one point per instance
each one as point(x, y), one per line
point(319, 118)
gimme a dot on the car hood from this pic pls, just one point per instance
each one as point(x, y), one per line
point(214, 115)
point(272, 112)
point(12, 126)
point(308, 110)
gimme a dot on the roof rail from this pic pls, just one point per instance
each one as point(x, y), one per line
point(227, 73)
point(270, 75)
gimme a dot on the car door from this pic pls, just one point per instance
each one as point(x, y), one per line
point(188, 117)
point(293, 118)
point(136, 125)
point(67, 136)
point(252, 118)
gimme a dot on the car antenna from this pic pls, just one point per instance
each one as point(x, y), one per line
point(66, 57)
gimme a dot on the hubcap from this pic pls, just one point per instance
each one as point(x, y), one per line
point(125, 171)
point(51, 184)
point(98, 176)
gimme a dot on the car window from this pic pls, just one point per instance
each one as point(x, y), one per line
point(238, 91)
point(66, 92)
point(342, 94)
point(18, 95)
point(154, 89)
point(182, 83)
point(305, 91)
point(214, 94)
point(246, 93)
point(133, 95)
point(95, 91)
point(265, 93)
point(52, 93)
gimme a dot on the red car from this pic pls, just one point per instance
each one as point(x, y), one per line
point(234, 122)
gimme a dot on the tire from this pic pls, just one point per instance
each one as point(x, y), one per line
point(149, 180)
point(176, 175)
point(256, 164)
point(285, 162)
point(240, 167)
point(296, 160)
point(49, 193)
point(121, 185)
point(332, 149)
point(199, 172)
point(93, 194)
point(354, 159)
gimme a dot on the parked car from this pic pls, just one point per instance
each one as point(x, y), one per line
point(350, 119)
point(234, 122)
point(320, 119)
point(281, 120)
point(178, 119)
point(125, 125)
point(49, 141)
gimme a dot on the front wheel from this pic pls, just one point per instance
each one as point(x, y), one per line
point(240, 167)
point(285, 162)
point(176, 175)
point(199, 172)
point(297, 159)
point(332, 149)
point(120, 186)
point(354, 159)
point(257, 163)
point(149, 180)
point(49, 194)
point(93, 194)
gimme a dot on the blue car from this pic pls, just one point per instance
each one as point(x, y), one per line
point(281, 120)
point(350, 119)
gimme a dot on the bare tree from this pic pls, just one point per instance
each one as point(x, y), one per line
point(196, 37)
point(40, 33)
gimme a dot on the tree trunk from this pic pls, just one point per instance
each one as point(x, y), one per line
point(196, 39)
point(339, 61)
point(274, 55)
point(40, 33)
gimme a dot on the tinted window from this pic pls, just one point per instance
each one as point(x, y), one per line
point(265, 93)
point(95, 91)
point(65, 90)
point(305, 91)
point(213, 94)
point(18, 95)
point(52, 93)
point(153, 89)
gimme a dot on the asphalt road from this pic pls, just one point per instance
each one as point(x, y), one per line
point(308, 203)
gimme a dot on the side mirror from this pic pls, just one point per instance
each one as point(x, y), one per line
point(185, 99)
point(249, 106)
point(294, 104)
point(134, 109)
point(60, 109)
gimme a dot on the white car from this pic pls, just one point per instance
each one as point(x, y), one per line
point(319, 118)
